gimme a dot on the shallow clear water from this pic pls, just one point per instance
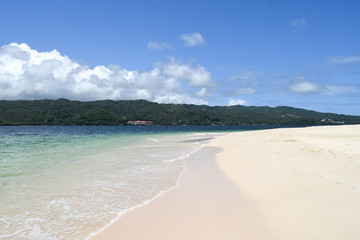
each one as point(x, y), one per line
point(67, 182)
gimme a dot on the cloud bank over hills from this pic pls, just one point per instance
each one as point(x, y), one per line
point(28, 74)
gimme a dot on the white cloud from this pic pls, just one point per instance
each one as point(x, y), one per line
point(192, 39)
point(28, 74)
point(243, 83)
point(300, 85)
point(298, 22)
point(198, 76)
point(303, 86)
point(245, 78)
point(233, 102)
point(179, 98)
point(245, 91)
point(203, 92)
point(158, 46)
point(341, 89)
point(344, 60)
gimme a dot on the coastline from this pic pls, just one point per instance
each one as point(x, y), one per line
point(299, 183)
point(158, 195)
point(187, 211)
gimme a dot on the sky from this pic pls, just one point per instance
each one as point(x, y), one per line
point(303, 54)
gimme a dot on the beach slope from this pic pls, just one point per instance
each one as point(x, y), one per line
point(293, 183)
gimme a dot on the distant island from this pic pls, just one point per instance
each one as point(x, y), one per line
point(142, 112)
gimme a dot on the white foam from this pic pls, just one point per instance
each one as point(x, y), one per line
point(73, 193)
point(119, 214)
point(154, 140)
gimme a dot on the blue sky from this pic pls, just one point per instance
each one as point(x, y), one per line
point(297, 53)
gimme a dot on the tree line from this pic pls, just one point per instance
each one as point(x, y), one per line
point(109, 112)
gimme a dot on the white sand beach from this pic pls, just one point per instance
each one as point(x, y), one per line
point(293, 183)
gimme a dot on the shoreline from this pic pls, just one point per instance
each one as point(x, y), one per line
point(305, 182)
point(158, 195)
point(266, 184)
point(190, 203)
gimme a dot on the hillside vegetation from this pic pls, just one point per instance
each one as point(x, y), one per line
point(108, 112)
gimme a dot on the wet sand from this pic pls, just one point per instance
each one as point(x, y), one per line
point(301, 183)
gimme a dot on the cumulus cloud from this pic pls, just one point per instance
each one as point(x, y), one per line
point(198, 76)
point(192, 39)
point(243, 83)
point(203, 92)
point(303, 86)
point(158, 46)
point(300, 85)
point(28, 74)
point(233, 102)
point(298, 22)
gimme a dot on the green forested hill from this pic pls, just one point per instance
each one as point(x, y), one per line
point(107, 112)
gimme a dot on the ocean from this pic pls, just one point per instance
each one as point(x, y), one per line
point(69, 182)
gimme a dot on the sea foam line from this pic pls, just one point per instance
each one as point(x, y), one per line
point(162, 192)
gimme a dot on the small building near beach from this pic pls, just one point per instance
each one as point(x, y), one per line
point(145, 123)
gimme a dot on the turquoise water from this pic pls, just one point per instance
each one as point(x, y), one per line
point(69, 182)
